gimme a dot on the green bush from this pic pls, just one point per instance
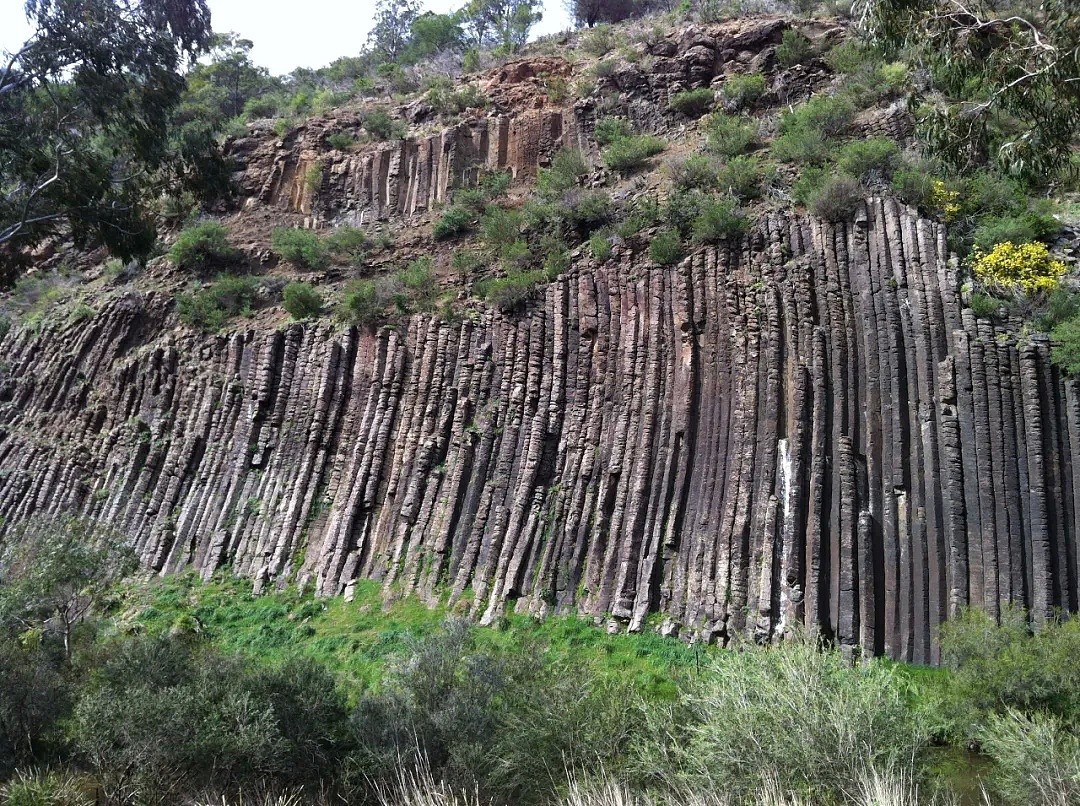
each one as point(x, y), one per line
point(468, 261)
point(794, 48)
point(872, 159)
point(455, 220)
point(302, 301)
point(817, 723)
point(341, 141)
point(600, 246)
point(419, 277)
point(696, 172)
point(203, 246)
point(808, 185)
point(693, 103)
point(628, 154)
point(666, 248)
point(837, 199)
point(608, 130)
point(719, 220)
point(47, 788)
point(742, 177)
point(210, 308)
point(501, 228)
point(805, 147)
point(742, 92)
point(1036, 758)
point(730, 135)
point(586, 210)
point(914, 185)
point(496, 183)
point(599, 41)
point(984, 305)
point(1018, 229)
point(364, 301)
point(828, 114)
point(380, 125)
point(566, 167)
point(510, 293)
point(346, 242)
point(1065, 352)
point(303, 247)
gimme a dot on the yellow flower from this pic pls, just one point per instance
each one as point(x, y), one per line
point(945, 200)
point(1028, 267)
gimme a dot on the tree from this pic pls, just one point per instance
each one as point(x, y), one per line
point(1007, 83)
point(219, 90)
point(393, 25)
point(432, 34)
point(85, 114)
point(505, 23)
point(590, 12)
point(55, 571)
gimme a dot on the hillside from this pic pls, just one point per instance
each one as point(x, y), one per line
point(789, 415)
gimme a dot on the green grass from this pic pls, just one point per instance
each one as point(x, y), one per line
point(358, 639)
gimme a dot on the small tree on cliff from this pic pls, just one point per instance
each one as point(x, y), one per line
point(393, 26)
point(503, 23)
point(590, 12)
point(86, 122)
point(1007, 82)
point(55, 571)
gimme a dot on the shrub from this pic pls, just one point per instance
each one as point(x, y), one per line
point(46, 788)
point(380, 125)
point(586, 210)
point(693, 103)
point(1017, 229)
point(828, 114)
point(608, 130)
point(914, 185)
point(699, 172)
point(802, 147)
point(627, 154)
point(599, 40)
point(719, 220)
point(870, 159)
point(566, 166)
point(203, 246)
point(346, 241)
point(313, 176)
point(419, 277)
point(794, 48)
point(468, 261)
point(501, 228)
point(852, 56)
point(742, 177)
point(666, 248)
point(496, 183)
point(210, 308)
point(742, 92)
point(1028, 268)
point(837, 199)
point(364, 301)
point(817, 724)
point(302, 301)
point(1065, 352)
point(341, 141)
point(510, 293)
point(605, 68)
point(1036, 758)
point(303, 247)
point(984, 305)
point(730, 135)
point(600, 246)
point(557, 88)
point(455, 220)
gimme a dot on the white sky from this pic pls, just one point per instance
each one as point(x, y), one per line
point(290, 34)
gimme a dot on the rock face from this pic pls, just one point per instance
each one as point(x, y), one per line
point(809, 428)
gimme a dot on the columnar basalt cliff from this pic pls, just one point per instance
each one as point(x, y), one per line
point(806, 428)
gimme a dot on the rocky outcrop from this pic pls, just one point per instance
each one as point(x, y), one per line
point(807, 428)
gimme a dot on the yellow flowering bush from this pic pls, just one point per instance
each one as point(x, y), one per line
point(1028, 267)
point(945, 200)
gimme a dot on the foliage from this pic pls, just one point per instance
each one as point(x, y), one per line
point(1003, 80)
point(364, 301)
point(627, 154)
point(46, 788)
point(816, 723)
point(504, 24)
point(837, 199)
point(743, 91)
point(346, 242)
point(89, 98)
point(809, 147)
point(693, 103)
point(1066, 350)
point(303, 247)
point(696, 172)
point(302, 301)
point(1037, 758)
point(874, 158)
point(600, 246)
point(567, 166)
point(1021, 228)
point(794, 48)
point(419, 277)
point(914, 185)
point(389, 36)
point(228, 85)
point(591, 12)
point(342, 141)
point(730, 135)
point(501, 228)
point(455, 220)
point(380, 125)
point(54, 570)
point(1028, 268)
point(984, 305)
point(586, 210)
point(203, 246)
point(718, 220)
point(743, 178)
point(666, 247)
point(608, 130)
point(510, 293)
point(210, 308)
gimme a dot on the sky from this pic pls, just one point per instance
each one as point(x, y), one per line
point(290, 34)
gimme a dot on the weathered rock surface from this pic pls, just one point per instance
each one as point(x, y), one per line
point(811, 429)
